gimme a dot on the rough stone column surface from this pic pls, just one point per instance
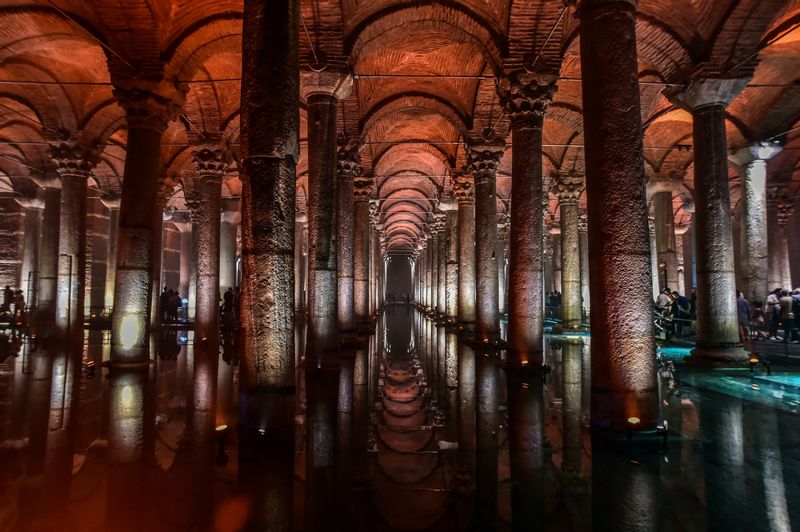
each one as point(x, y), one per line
point(231, 218)
point(73, 165)
point(148, 114)
point(30, 250)
point(464, 191)
point(665, 240)
point(717, 323)
point(270, 146)
point(503, 228)
point(451, 246)
point(525, 97)
point(48, 261)
point(785, 209)
point(484, 159)
point(112, 204)
point(299, 270)
point(348, 169)
point(583, 236)
point(322, 91)
point(623, 357)
point(568, 190)
point(441, 264)
point(362, 192)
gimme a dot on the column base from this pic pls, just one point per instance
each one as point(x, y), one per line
point(721, 356)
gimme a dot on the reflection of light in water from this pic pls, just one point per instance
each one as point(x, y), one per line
point(126, 397)
point(130, 331)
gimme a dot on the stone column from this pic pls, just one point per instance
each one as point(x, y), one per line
point(209, 163)
point(73, 164)
point(680, 230)
point(525, 97)
point(547, 261)
point(583, 241)
point(754, 229)
point(777, 202)
point(348, 169)
point(48, 257)
point(567, 188)
point(362, 192)
point(785, 209)
point(186, 258)
point(322, 92)
point(464, 191)
point(375, 221)
point(441, 264)
point(32, 235)
point(623, 370)
point(665, 240)
point(112, 203)
point(299, 271)
point(503, 226)
point(270, 151)
point(717, 323)
point(451, 246)
point(428, 256)
point(231, 218)
point(433, 247)
point(138, 242)
point(654, 269)
point(555, 239)
point(484, 159)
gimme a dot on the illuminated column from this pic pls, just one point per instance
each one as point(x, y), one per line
point(484, 159)
point(503, 226)
point(441, 263)
point(754, 227)
point(567, 188)
point(665, 240)
point(348, 168)
point(30, 249)
point(464, 191)
point(112, 204)
point(138, 242)
point(48, 253)
point(451, 289)
point(322, 92)
point(525, 97)
point(374, 249)
point(583, 241)
point(623, 375)
point(362, 191)
point(73, 164)
point(194, 219)
point(433, 246)
point(299, 265)
point(680, 230)
point(785, 209)
point(572, 381)
point(717, 324)
point(651, 226)
point(231, 218)
point(776, 200)
point(270, 101)
point(209, 165)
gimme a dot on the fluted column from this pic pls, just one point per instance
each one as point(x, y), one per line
point(464, 192)
point(583, 241)
point(138, 242)
point(362, 192)
point(73, 164)
point(270, 103)
point(567, 188)
point(112, 203)
point(525, 97)
point(348, 168)
point(754, 227)
point(209, 163)
point(323, 91)
point(231, 218)
point(623, 370)
point(484, 159)
point(717, 323)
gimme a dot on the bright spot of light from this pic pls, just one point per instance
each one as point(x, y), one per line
point(130, 331)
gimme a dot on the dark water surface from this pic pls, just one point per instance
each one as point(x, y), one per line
point(411, 432)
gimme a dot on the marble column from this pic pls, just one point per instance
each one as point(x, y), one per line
point(112, 203)
point(503, 226)
point(441, 264)
point(362, 191)
point(270, 152)
point(348, 168)
point(680, 230)
point(48, 257)
point(209, 165)
point(231, 218)
point(623, 368)
point(583, 243)
point(464, 192)
point(717, 324)
point(32, 235)
point(322, 92)
point(138, 243)
point(665, 240)
point(525, 97)
point(484, 159)
point(754, 229)
point(785, 208)
point(73, 164)
point(451, 240)
point(567, 188)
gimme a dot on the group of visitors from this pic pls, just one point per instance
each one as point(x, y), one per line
point(677, 311)
point(13, 306)
point(169, 303)
point(781, 310)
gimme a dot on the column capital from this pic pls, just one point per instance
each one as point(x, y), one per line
point(327, 82)
point(348, 158)
point(757, 151)
point(111, 200)
point(785, 209)
point(463, 186)
point(583, 222)
point(503, 221)
point(46, 180)
point(682, 229)
point(193, 207)
point(72, 159)
point(484, 156)
point(651, 225)
point(439, 223)
point(362, 187)
point(231, 210)
point(210, 161)
point(525, 95)
point(34, 203)
point(705, 92)
point(776, 193)
point(147, 109)
point(567, 187)
point(375, 214)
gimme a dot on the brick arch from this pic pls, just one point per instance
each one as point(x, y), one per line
point(403, 101)
point(186, 54)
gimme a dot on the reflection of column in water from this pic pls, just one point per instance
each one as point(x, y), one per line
point(322, 393)
point(526, 447)
point(360, 414)
point(19, 398)
point(451, 371)
point(344, 435)
point(769, 453)
point(466, 408)
point(573, 387)
point(625, 490)
point(487, 421)
point(37, 422)
point(441, 357)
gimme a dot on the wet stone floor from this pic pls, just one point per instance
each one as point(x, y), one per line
point(412, 431)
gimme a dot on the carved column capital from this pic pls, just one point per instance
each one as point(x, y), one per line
point(484, 157)
point(757, 151)
point(463, 186)
point(348, 158)
point(785, 209)
point(706, 89)
point(526, 95)
point(149, 110)
point(583, 222)
point(567, 187)
point(776, 194)
point(503, 225)
point(72, 159)
point(327, 82)
point(210, 162)
point(362, 187)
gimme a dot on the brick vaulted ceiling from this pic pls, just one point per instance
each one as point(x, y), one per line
point(426, 74)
